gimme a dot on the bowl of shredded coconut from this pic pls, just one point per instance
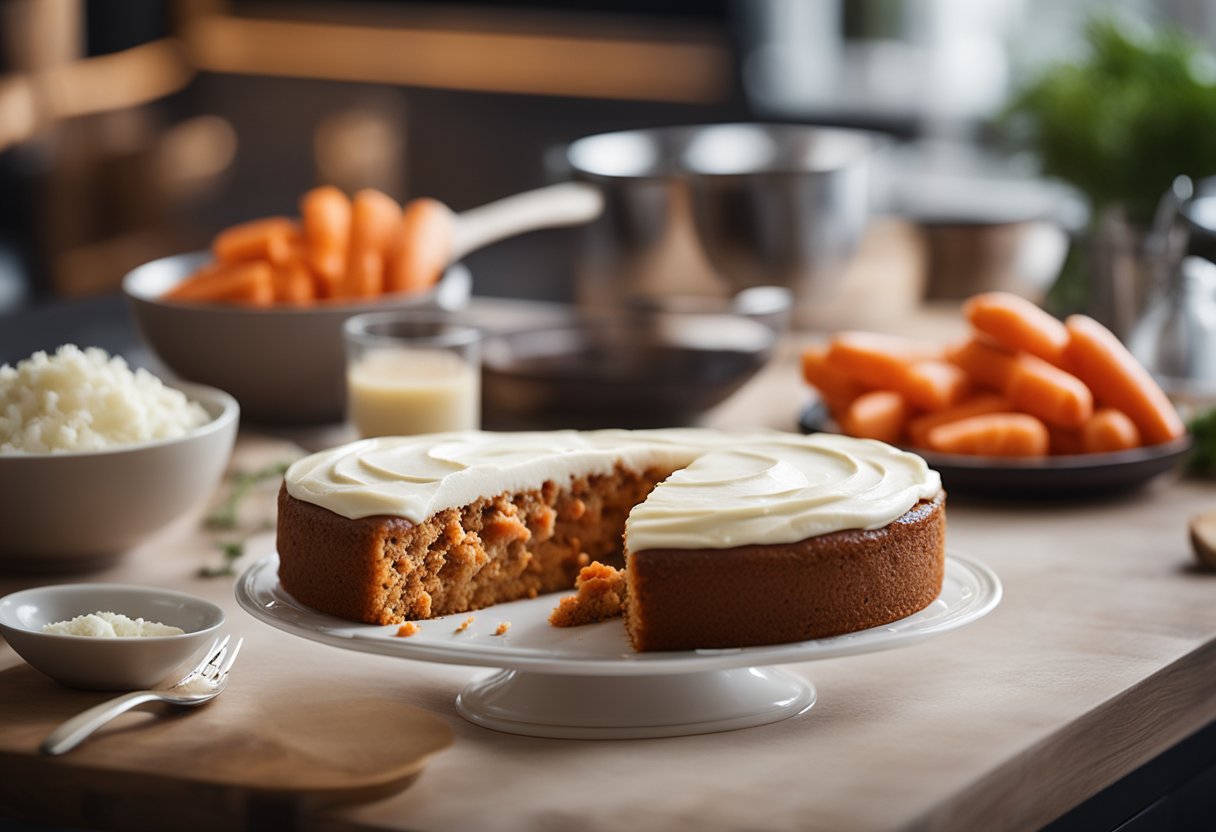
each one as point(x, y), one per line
point(96, 456)
point(108, 636)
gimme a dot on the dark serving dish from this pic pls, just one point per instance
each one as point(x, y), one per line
point(1074, 476)
point(661, 364)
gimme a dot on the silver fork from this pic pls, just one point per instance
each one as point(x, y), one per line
point(202, 684)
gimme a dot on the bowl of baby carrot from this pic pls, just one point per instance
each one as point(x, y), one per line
point(1026, 403)
point(260, 314)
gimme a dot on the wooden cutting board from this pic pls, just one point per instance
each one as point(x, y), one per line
point(256, 757)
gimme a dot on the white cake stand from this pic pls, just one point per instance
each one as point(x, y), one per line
point(587, 683)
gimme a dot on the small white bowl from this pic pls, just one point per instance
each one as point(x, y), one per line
point(108, 663)
point(71, 511)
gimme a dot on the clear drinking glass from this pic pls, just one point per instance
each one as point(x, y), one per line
point(410, 372)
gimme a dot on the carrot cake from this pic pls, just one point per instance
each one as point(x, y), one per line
point(725, 539)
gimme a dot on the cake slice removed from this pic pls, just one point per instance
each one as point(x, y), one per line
point(600, 595)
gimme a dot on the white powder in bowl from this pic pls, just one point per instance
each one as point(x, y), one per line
point(110, 625)
point(84, 400)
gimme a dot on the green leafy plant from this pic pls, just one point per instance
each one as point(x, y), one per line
point(1203, 453)
point(1122, 123)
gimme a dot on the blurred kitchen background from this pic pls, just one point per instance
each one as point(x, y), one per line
point(135, 129)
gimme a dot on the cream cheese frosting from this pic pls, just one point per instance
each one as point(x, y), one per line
point(728, 489)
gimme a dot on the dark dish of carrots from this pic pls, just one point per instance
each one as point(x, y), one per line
point(1023, 385)
point(340, 249)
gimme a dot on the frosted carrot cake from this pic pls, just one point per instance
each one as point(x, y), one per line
point(725, 539)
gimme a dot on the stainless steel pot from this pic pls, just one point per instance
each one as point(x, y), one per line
point(718, 208)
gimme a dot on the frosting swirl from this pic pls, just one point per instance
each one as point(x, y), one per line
point(730, 489)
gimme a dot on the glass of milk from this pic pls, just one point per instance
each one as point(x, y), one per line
point(412, 371)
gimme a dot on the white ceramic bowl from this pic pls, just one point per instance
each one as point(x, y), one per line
point(65, 511)
point(285, 365)
point(108, 663)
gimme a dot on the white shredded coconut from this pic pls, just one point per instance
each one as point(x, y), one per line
point(84, 400)
point(110, 625)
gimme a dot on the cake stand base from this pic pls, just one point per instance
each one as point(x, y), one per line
point(633, 707)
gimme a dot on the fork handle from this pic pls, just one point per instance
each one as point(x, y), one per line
point(77, 729)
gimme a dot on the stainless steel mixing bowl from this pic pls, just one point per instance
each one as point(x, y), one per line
point(714, 209)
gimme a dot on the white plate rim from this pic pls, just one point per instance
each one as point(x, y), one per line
point(259, 593)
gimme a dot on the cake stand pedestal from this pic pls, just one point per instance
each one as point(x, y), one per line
point(633, 707)
point(588, 683)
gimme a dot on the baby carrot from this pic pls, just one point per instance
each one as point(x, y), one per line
point(293, 283)
point(270, 239)
point(325, 212)
point(992, 434)
point(249, 283)
point(911, 368)
point(933, 385)
point(1046, 391)
point(422, 248)
point(835, 387)
point(875, 359)
point(918, 428)
point(1118, 380)
point(1017, 324)
point(374, 221)
point(879, 414)
point(985, 364)
point(364, 276)
point(1064, 442)
point(1109, 430)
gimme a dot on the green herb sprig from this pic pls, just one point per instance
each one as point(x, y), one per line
point(226, 518)
point(226, 515)
point(232, 550)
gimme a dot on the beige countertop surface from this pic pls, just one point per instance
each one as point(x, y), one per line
point(1101, 655)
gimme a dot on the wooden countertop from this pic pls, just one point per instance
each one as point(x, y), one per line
point(1101, 656)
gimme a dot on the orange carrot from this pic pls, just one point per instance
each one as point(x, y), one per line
point(876, 359)
point(423, 246)
point(1118, 380)
point(294, 283)
point(375, 219)
point(888, 362)
point(985, 364)
point(1109, 430)
point(933, 385)
point(270, 239)
point(992, 434)
point(1046, 391)
point(1063, 441)
point(248, 283)
point(835, 387)
point(1017, 324)
point(918, 428)
point(325, 212)
point(879, 414)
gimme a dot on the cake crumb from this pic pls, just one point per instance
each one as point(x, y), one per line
point(407, 629)
point(502, 628)
point(599, 595)
point(464, 625)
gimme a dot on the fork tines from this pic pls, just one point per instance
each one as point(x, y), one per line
point(214, 653)
point(236, 648)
